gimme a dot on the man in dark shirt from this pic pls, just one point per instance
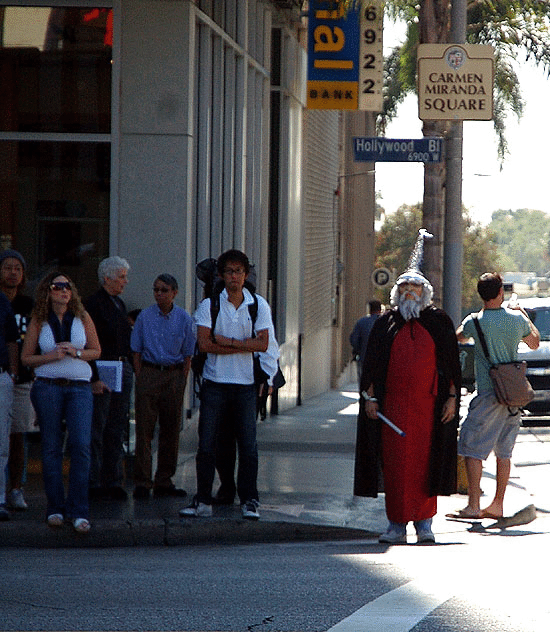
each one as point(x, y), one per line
point(12, 282)
point(360, 334)
point(111, 409)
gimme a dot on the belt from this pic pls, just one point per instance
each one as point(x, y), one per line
point(61, 381)
point(162, 367)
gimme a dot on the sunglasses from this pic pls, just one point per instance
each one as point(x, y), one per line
point(60, 285)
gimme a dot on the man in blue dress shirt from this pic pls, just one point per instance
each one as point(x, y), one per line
point(163, 341)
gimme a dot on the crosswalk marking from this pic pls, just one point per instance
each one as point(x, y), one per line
point(398, 610)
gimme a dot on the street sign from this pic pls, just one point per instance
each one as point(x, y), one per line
point(380, 149)
point(455, 82)
point(381, 277)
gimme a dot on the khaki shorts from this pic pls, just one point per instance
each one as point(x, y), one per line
point(22, 415)
point(488, 427)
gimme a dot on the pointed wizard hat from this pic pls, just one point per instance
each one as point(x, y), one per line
point(413, 273)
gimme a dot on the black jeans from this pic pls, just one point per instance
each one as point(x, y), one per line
point(216, 400)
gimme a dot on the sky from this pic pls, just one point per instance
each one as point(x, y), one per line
point(524, 179)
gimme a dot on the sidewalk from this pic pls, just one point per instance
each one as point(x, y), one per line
point(305, 481)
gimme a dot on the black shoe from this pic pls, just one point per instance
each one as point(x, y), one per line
point(171, 490)
point(141, 492)
point(117, 493)
point(4, 513)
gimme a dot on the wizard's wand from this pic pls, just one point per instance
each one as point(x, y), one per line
point(400, 432)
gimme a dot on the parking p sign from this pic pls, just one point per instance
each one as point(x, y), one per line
point(381, 277)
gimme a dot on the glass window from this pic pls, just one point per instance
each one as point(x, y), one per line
point(55, 69)
point(55, 123)
point(54, 198)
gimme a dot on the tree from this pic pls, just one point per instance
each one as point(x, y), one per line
point(513, 27)
point(396, 239)
point(522, 237)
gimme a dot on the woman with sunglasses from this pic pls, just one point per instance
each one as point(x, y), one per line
point(60, 341)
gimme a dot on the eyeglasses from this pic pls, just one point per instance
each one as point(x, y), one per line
point(164, 290)
point(60, 285)
point(231, 271)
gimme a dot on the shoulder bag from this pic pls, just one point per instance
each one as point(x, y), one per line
point(510, 383)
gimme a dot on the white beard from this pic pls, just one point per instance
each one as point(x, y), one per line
point(410, 307)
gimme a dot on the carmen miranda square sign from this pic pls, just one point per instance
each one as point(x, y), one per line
point(455, 82)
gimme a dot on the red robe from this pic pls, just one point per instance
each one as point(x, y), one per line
point(411, 391)
point(368, 453)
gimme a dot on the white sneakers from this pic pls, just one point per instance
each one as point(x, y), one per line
point(16, 500)
point(55, 520)
point(249, 510)
point(196, 510)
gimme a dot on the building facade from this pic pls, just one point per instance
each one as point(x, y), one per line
point(167, 131)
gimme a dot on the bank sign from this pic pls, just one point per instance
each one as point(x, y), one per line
point(455, 82)
point(345, 61)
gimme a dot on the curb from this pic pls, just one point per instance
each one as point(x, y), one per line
point(161, 532)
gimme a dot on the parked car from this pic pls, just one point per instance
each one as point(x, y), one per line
point(538, 360)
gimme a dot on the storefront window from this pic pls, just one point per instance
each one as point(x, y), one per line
point(55, 123)
point(56, 76)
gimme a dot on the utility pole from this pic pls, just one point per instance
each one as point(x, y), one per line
point(453, 236)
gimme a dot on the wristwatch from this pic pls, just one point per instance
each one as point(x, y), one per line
point(78, 353)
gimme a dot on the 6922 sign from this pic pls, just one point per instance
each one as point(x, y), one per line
point(371, 60)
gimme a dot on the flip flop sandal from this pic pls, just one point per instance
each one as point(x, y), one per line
point(464, 514)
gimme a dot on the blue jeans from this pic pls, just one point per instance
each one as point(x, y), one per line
point(217, 400)
point(53, 404)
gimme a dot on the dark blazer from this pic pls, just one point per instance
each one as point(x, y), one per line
point(444, 444)
point(112, 325)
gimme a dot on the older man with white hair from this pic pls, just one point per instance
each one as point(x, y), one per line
point(411, 376)
point(111, 409)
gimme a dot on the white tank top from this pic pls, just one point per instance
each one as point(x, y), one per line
point(68, 367)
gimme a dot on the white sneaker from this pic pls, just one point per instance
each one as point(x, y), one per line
point(249, 510)
point(196, 510)
point(81, 525)
point(16, 500)
point(393, 536)
point(55, 520)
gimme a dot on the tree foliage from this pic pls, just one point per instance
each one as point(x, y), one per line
point(517, 29)
point(523, 238)
point(396, 239)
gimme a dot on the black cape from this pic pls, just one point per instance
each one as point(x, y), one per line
point(443, 468)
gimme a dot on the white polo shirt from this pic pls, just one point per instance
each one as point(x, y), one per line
point(234, 368)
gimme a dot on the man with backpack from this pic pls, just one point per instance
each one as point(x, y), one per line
point(228, 384)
